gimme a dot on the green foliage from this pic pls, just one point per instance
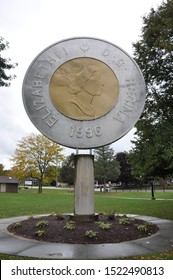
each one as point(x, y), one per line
point(106, 166)
point(124, 220)
point(34, 156)
point(143, 227)
point(42, 223)
point(34, 217)
point(31, 217)
point(91, 233)
point(40, 232)
point(17, 225)
point(111, 214)
point(152, 154)
point(70, 225)
point(104, 225)
point(67, 171)
point(58, 216)
point(5, 64)
point(125, 176)
point(1, 169)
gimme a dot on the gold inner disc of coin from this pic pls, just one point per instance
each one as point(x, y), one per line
point(84, 88)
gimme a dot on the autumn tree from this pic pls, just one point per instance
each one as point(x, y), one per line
point(5, 65)
point(51, 175)
point(153, 146)
point(33, 157)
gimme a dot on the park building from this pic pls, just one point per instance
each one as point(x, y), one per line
point(8, 184)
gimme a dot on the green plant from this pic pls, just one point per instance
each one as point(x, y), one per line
point(17, 225)
point(70, 225)
point(31, 217)
point(104, 225)
point(131, 219)
point(57, 216)
point(40, 232)
point(91, 233)
point(42, 223)
point(35, 217)
point(124, 220)
point(143, 227)
point(111, 214)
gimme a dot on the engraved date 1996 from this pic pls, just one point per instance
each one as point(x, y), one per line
point(87, 132)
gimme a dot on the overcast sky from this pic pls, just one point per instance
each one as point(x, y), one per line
point(32, 25)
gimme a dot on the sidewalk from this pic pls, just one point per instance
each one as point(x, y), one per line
point(160, 242)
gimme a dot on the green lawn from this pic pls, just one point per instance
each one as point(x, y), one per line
point(28, 202)
point(137, 203)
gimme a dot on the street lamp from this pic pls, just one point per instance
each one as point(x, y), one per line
point(152, 190)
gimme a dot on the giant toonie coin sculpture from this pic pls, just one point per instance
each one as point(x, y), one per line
point(84, 92)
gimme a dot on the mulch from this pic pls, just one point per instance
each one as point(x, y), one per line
point(54, 229)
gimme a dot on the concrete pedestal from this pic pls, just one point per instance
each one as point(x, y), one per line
point(84, 187)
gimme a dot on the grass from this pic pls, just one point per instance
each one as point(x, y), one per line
point(28, 202)
point(136, 203)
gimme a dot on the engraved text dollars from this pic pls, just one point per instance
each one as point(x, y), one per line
point(84, 92)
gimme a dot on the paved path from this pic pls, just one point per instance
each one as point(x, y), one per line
point(160, 242)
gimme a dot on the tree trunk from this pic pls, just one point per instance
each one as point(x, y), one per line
point(40, 186)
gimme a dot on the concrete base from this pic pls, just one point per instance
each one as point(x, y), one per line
point(84, 186)
point(85, 218)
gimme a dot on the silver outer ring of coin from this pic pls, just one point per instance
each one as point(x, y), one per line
point(83, 134)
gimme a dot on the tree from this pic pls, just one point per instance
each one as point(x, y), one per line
point(106, 165)
point(1, 169)
point(67, 171)
point(152, 154)
point(33, 157)
point(3, 172)
point(5, 65)
point(51, 175)
point(125, 169)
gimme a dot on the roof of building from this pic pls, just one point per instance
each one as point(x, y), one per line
point(6, 180)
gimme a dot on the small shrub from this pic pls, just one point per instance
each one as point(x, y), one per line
point(91, 233)
point(124, 220)
point(104, 225)
point(40, 232)
point(111, 214)
point(31, 217)
point(143, 227)
point(59, 217)
point(131, 219)
point(53, 214)
point(70, 225)
point(36, 217)
point(42, 223)
point(17, 225)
